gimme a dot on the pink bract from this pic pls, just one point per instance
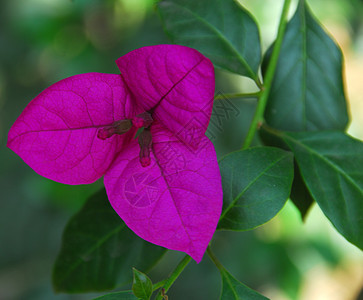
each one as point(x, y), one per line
point(169, 192)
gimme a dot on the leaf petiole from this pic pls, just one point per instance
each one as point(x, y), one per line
point(174, 275)
point(159, 284)
point(238, 95)
point(215, 259)
point(258, 83)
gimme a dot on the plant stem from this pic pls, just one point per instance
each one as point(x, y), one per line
point(259, 83)
point(174, 275)
point(158, 284)
point(238, 95)
point(265, 91)
point(215, 259)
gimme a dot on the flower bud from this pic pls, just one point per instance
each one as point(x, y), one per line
point(118, 127)
point(145, 145)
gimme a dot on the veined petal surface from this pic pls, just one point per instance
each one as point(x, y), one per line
point(56, 134)
point(176, 83)
point(175, 202)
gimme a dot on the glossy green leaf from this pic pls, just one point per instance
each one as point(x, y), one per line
point(300, 194)
point(232, 289)
point(307, 92)
point(256, 184)
point(98, 250)
point(331, 164)
point(221, 29)
point(124, 295)
point(142, 285)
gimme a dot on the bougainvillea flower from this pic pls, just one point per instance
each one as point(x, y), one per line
point(165, 184)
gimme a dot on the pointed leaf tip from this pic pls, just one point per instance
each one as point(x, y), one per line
point(331, 166)
point(141, 285)
point(313, 99)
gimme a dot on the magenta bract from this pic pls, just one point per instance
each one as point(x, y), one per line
point(166, 184)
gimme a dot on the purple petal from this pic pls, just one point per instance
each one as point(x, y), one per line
point(176, 82)
point(56, 133)
point(175, 202)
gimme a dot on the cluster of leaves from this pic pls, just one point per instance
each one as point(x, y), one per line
point(308, 157)
point(306, 115)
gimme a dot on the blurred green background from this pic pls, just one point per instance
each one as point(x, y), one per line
point(43, 41)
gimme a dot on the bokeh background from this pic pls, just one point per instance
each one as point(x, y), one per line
point(43, 41)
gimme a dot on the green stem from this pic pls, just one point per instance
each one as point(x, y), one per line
point(272, 130)
point(262, 101)
point(174, 275)
point(238, 95)
point(215, 260)
point(259, 83)
point(158, 285)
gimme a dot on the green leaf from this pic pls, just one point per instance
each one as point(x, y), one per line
point(98, 250)
point(300, 195)
point(124, 295)
point(232, 289)
point(142, 285)
point(307, 92)
point(256, 184)
point(221, 29)
point(331, 164)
